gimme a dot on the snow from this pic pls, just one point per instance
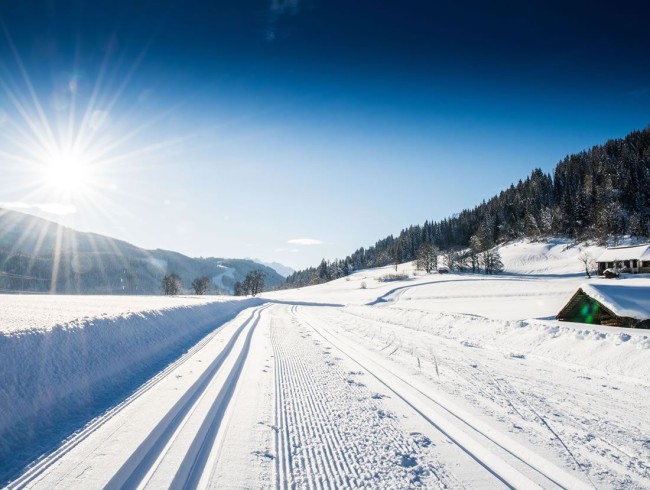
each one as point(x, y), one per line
point(450, 381)
point(614, 254)
point(554, 256)
point(94, 350)
point(227, 272)
point(23, 312)
point(629, 298)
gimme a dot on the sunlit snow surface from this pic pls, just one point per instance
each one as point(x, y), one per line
point(22, 312)
point(455, 380)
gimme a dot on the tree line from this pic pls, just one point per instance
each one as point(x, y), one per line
point(253, 284)
point(602, 193)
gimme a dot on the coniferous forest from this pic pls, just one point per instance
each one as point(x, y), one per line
point(602, 193)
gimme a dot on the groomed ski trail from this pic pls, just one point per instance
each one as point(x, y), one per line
point(178, 450)
point(332, 431)
point(501, 456)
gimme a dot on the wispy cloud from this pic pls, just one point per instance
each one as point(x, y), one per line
point(47, 207)
point(278, 9)
point(304, 241)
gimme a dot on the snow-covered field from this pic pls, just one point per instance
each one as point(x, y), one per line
point(454, 380)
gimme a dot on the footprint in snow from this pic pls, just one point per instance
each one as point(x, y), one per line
point(272, 427)
point(514, 355)
point(421, 440)
point(406, 460)
point(263, 454)
point(354, 382)
point(467, 343)
point(383, 414)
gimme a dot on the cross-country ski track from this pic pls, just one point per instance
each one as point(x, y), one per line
point(300, 394)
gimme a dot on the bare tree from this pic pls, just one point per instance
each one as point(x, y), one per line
point(252, 284)
point(475, 248)
point(451, 256)
point(171, 284)
point(492, 261)
point(201, 285)
point(588, 260)
point(257, 282)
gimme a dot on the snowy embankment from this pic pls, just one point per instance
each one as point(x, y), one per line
point(512, 313)
point(619, 351)
point(54, 377)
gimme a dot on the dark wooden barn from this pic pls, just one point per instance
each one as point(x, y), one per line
point(591, 304)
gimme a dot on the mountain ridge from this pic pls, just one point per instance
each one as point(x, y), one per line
point(38, 255)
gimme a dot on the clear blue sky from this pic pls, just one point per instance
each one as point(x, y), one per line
point(236, 128)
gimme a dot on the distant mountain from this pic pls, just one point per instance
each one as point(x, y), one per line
point(37, 255)
point(602, 193)
point(283, 270)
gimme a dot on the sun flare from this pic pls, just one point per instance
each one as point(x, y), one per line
point(67, 172)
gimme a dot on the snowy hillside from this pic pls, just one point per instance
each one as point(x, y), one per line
point(87, 263)
point(281, 269)
point(554, 256)
point(454, 380)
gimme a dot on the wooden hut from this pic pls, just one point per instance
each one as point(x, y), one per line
point(619, 303)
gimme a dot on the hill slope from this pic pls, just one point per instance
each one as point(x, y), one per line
point(37, 255)
point(601, 193)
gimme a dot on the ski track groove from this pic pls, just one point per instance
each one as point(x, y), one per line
point(537, 470)
point(573, 442)
point(136, 470)
point(299, 414)
point(323, 433)
point(193, 465)
point(41, 466)
point(312, 392)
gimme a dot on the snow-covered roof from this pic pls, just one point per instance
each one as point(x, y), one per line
point(640, 252)
point(626, 298)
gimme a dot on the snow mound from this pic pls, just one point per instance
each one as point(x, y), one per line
point(54, 379)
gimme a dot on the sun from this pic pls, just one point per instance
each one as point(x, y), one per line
point(67, 172)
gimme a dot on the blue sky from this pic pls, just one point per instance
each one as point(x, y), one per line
point(237, 129)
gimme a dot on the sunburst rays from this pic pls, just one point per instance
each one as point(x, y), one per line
point(66, 156)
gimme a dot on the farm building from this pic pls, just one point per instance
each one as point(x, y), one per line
point(619, 303)
point(634, 260)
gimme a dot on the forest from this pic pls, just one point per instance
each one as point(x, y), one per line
point(599, 194)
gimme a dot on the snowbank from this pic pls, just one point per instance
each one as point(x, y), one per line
point(54, 379)
point(28, 311)
point(618, 351)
